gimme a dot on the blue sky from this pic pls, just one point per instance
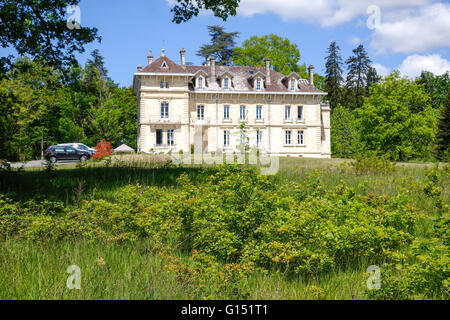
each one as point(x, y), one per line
point(410, 35)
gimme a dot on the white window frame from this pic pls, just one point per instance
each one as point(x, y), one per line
point(288, 137)
point(170, 137)
point(287, 113)
point(242, 108)
point(258, 84)
point(226, 138)
point(258, 138)
point(200, 82)
point(226, 83)
point(226, 112)
point(165, 110)
point(301, 137)
point(258, 112)
point(200, 112)
point(292, 84)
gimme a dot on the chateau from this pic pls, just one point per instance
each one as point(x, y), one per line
point(209, 106)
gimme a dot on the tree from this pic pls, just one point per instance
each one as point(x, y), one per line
point(221, 46)
point(344, 133)
point(436, 86)
point(333, 74)
point(184, 10)
point(39, 29)
point(443, 134)
point(358, 67)
point(372, 77)
point(284, 55)
point(397, 119)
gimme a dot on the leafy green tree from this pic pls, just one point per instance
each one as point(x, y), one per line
point(397, 119)
point(39, 29)
point(221, 46)
point(184, 10)
point(358, 67)
point(345, 141)
point(443, 134)
point(333, 75)
point(372, 77)
point(436, 86)
point(284, 55)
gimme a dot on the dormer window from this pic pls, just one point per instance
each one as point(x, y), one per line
point(292, 84)
point(200, 83)
point(291, 81)
point(225, 83)
point(258, 84)
point(164, 65)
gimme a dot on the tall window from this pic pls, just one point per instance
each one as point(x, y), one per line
point(200, 112)
point(300, 135)
point(200, 83)
point(226, 112)
point(288, 137)
point(226, 138)
point(300, 112)
point(258, 112)
point(242, 114)
point(164, 111)
point(258, 138)
point(258, 84)
point(159, 137)
point(170, 137)
point(287, 112)
point(292, 84)
point(161, 84)
point(167, 85)
point(225, 83)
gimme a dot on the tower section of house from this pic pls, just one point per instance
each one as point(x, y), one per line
point(218, 109)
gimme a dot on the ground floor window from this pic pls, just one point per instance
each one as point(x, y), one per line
point(159, 137)
point(170, 137)
point(300, 137)
point(259, 138)
point(226, 138)
point(288, 137)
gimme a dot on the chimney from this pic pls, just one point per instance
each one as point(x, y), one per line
point(267, 60)
point(139, 68)
point(183, 56)
point(213, 68)
point(311, 75)
point(208, 62)
point(150, 57)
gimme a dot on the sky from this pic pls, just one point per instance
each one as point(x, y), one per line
point(408, 35)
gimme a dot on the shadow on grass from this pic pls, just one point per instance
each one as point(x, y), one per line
point(94, 182)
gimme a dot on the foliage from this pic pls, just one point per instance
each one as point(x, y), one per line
point(184, 10)
point(104, 149)
point(284, 55)
point(397, 119)
point(86, 106)
point(345, 140)
point(358, 67)
point(372, 163)
point(221, 46)
point(437, 87)
point(443, 134)
point(333, 74)
point(39, 29)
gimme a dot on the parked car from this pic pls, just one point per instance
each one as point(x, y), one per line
point(57, 153)
point(79, 146)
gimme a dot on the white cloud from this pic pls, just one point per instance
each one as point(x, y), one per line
point(327, 13)
point(381, 70)
point(413, 65)
point(355, 41)
point(414, 31)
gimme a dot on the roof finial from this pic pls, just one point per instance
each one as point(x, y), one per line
point(163, 52)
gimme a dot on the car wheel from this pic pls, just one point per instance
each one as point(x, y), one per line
point(83, 158)
point(53, 159)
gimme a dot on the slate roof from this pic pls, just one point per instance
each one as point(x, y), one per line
point(242, 76)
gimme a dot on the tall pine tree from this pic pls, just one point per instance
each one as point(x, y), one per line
point(358, 67)
point(221, 46)
point(333, 74)
point(443, 134)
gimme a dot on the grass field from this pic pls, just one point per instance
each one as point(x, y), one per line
point(36, 268)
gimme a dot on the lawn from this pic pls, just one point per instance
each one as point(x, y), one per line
point(140, 227)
